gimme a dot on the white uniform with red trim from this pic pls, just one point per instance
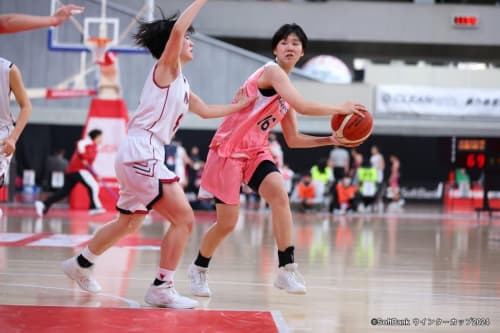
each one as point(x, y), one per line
point(6, 117)
point(140, 159)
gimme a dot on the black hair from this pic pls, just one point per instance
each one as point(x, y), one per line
point(322, 162)
point(95, 133)
point(287, 29)
point(154, 35)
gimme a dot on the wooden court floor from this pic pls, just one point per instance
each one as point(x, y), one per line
point(413, 270)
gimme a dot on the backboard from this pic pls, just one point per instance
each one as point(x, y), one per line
point(114, 20)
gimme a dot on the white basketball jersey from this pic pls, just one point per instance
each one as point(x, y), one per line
point(6, 117)
point(161, 109)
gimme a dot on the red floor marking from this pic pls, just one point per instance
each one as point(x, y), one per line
point(63, 240)
point(22, 242)
point(53, 319)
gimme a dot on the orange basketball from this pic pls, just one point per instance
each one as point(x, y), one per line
point(352, 128)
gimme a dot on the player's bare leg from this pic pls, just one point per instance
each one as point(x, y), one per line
point(174, 207)
point(272, 190)
point(227, 217)
point(79, 268)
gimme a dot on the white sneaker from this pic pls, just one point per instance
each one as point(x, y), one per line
point(198, 281)
point(290, 279)
point(166, 296)
point(82, 276)
point(39, 208)
point(97, 211)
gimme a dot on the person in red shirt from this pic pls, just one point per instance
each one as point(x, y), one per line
point(79, 171)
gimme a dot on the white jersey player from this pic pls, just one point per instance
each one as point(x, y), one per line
point(145, 182)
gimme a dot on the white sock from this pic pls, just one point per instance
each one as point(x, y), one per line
point(89, 255)
point(165, 274)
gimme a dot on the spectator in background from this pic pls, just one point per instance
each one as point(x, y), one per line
point(377, 161)
point(288, 175)
point(322, 172)
point(322, 177)
point(54, 163)
point(193, 169)
point(339, 159)
point(79, 171)
point(276, 149)
point(194, 154)
point(394, 178)
point(306, 192)
point(347, 195)
point(463, 182)
point(367, 183)
point(176, 160)
point(194, 172)
point(356, 162)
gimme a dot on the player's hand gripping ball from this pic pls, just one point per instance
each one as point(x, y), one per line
point(352, 128)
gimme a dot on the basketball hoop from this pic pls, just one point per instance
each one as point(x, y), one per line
point(98, 47)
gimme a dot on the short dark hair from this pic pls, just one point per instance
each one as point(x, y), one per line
point(95, 133)
point(154, 35)
point(285, 30)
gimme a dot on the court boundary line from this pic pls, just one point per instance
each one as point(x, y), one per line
point(131, 303)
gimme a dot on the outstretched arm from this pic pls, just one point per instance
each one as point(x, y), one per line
point(295, 139)
point(17, 87)
point(276, 78)
point(196, 105)
point(21, 22)
point(172, 51)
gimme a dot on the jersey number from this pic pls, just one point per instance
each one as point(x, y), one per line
point(266, 122)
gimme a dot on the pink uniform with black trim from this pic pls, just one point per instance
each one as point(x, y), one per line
point(140, 159)
point(241, 143)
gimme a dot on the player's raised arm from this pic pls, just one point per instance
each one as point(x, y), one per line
point(173, 48)
point(15, 22)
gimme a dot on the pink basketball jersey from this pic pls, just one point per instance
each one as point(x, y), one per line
point(246, 132)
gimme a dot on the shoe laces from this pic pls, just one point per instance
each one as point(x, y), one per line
point(201, 277)
point(294, 274)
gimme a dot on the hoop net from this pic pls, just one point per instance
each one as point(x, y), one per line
point(98, 47)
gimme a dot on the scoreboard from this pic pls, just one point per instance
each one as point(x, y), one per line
point(478, 155)
point(483, 154)
point(470, 153)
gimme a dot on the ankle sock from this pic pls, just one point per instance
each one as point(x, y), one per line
point(83, 262)
point(286, 257)
point(202, 261)
point(163, 275)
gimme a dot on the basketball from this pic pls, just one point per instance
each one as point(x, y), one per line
point(352, 128)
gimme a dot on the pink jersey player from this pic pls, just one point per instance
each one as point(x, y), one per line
point(241, 143)
point(240, 153)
